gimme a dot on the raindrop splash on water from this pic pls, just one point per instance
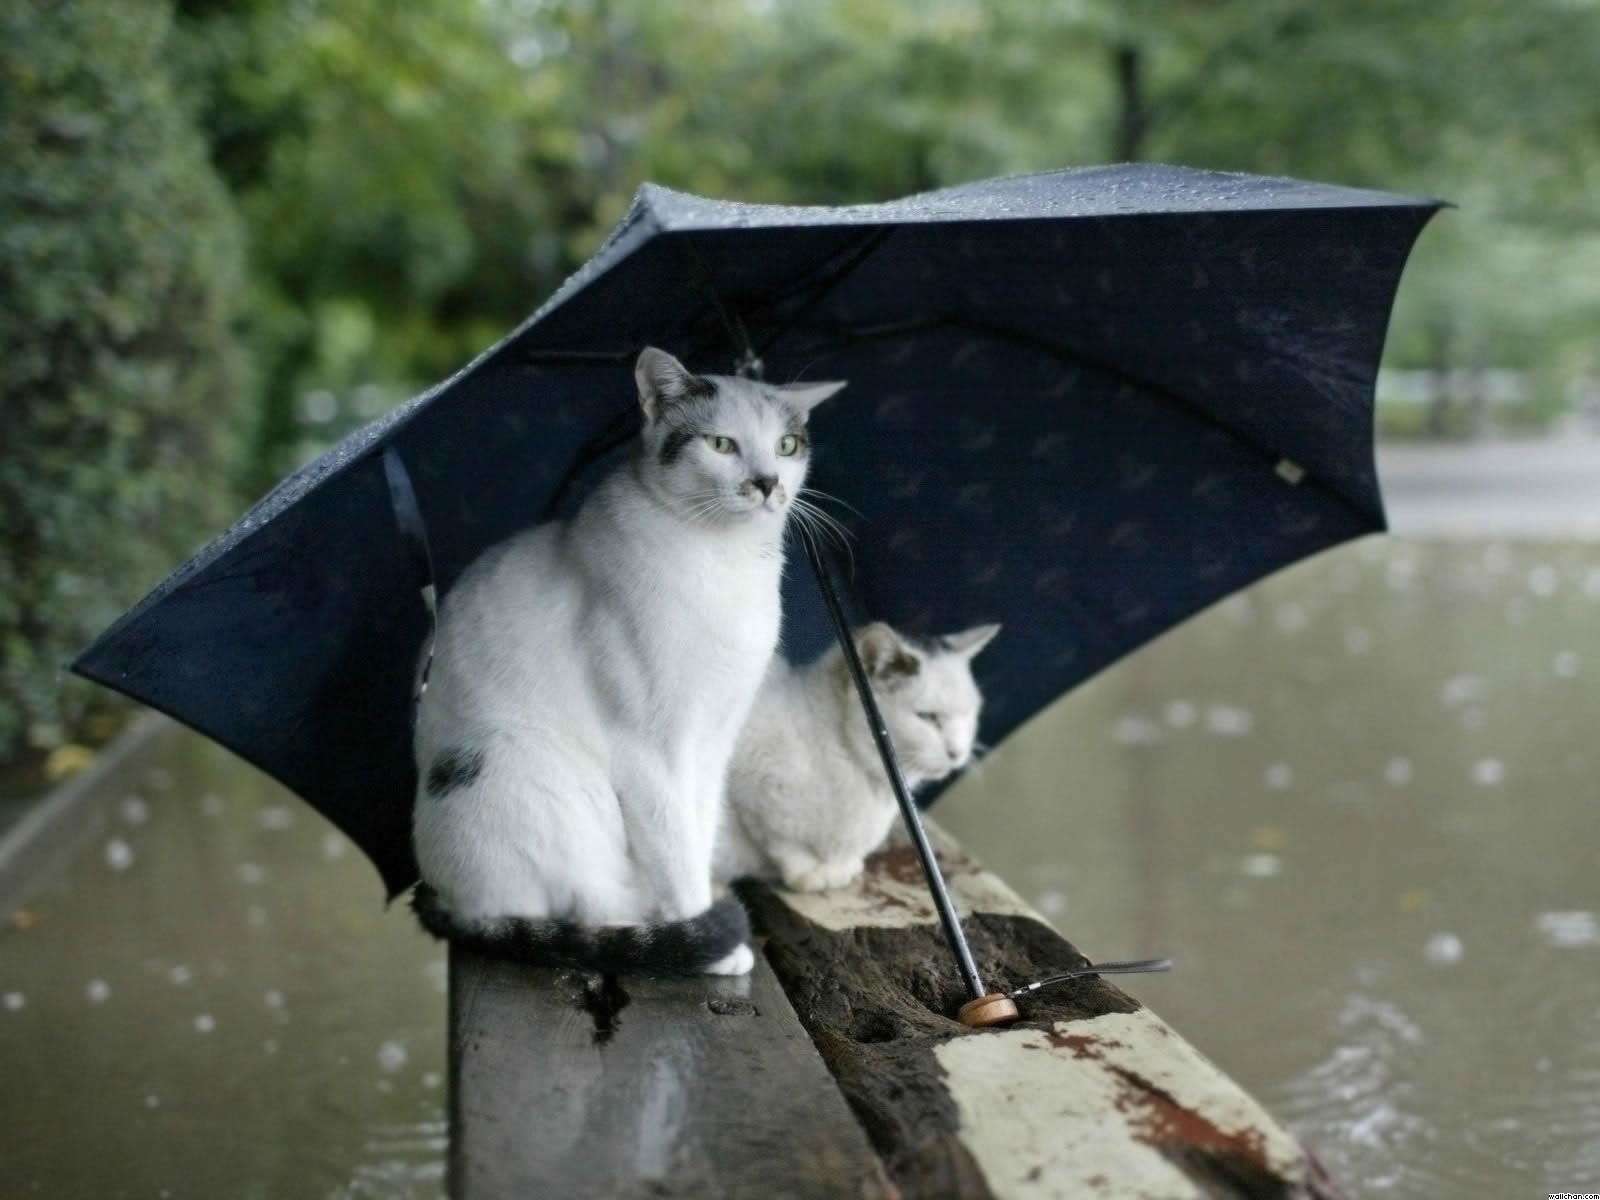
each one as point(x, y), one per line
point(98, 991)
point(119, 855)
point(1228, 721)
point(1398, 771)
point(1261, 866)
point(1181, 714)
point(1489, 772)
point(1136, 731)
point(1443, 950)
point(14, 1001)
point(204, 1023)
point(134, 810)
point(1278, 776)
point(1357, 641)
point(391, 1056)
point(1568, 930)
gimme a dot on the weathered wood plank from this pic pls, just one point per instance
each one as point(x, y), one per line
point(566, 1085)
point(1089, 1094)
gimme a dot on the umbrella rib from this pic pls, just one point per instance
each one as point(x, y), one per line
point(1071, 355)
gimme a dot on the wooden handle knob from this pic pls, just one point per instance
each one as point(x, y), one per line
point(993, 1009)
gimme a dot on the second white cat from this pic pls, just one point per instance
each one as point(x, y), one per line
point(808, 799)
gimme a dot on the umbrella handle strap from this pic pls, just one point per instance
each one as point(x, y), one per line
point(414, 533)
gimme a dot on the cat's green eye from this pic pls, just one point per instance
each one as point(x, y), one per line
point(788, 444)
point(722, 445)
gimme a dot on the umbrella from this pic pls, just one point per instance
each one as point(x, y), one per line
point(1083, 403)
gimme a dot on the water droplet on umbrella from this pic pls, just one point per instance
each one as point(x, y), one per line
point(1443, 949)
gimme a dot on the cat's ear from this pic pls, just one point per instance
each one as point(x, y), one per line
point(968, 642)
point(806, 396)
point(663, 380)
point(884, 655)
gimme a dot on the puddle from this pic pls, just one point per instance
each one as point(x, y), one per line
point(211, 1000)
point(1368, 836)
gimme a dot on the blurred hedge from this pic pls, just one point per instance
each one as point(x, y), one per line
point(120, 376)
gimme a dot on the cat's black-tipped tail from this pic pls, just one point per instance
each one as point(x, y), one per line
point(664, 948)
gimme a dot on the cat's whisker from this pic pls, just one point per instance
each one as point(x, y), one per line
point(825, 528)
point(822, 495)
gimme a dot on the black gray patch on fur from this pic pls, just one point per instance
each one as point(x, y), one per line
point(454, 769)
point(685, 947)
point(673, 444)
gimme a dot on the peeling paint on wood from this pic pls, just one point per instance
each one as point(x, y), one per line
point(1090, 1094)
point(1114, 1106)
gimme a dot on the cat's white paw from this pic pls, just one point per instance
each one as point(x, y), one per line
point(840, 874)
point(809, 879)
point(823, 877)
point(737, 961)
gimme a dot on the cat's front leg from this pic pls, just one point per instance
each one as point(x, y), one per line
point(665, 836)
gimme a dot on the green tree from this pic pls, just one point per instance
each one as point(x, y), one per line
point(120, 380)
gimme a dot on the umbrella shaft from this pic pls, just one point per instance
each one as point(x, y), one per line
point(891, 765)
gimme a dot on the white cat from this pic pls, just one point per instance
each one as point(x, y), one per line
point(588, 685)
point(808, 799)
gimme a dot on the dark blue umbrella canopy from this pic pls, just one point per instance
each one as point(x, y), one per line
point(1085, 403)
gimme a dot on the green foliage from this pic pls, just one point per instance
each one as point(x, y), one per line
point(120, 380)
point(419, 176)
point(416, 177)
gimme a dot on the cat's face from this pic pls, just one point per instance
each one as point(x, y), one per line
point(721, 447)
point(928, 697)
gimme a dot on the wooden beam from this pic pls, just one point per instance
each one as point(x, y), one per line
point(567, 1085)
point(1090, 1094)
